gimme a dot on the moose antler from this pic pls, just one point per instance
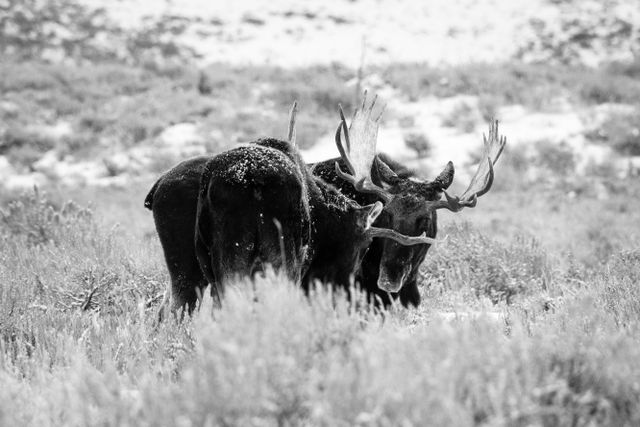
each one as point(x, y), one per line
point(371, 231)
point(291, 131)
point(360, 152)
point(483, 178)
point(401, 238)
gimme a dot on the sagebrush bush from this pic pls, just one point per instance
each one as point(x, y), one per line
point(419, 143)
point(556, 158)
point(469, 260)
point(488, 106)
point(23, 147)
point(621, 131)
point(461, 117)
point(34, 219)
point(272, 356)
point(534, 85)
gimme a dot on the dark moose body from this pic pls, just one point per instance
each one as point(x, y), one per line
point(173, 200)
point(240, 193)
point(327, 232)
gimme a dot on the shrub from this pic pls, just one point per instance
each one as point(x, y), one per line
point(33, 218)
point(14, 138)
point(512, 170)
point(488, 106)
point(461, 117)
point(23, 147)
point(317, 89)
point(621, 131)
point(535, 86)
point(470, 260)
point(571, 36)
point(557, 158)
point(419, 143)
point(602, 86)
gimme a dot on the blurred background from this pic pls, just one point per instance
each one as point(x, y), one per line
point(98, 98)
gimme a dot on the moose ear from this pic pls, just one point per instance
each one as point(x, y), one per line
point(445, 178)
point(385, 173)
point(371, 213)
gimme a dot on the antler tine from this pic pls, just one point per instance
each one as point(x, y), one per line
point(343, 123)
point(291, 131)
point(482, 180)
point(495, 141)
point(375, 98)
point(384, 107)
point(343, 155)
point(472, 190)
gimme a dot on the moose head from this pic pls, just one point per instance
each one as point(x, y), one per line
point(410, 205)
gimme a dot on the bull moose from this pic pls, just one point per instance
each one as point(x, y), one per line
point(390, 270)
point(409, 210)
point(259, 204)
point(173, 200)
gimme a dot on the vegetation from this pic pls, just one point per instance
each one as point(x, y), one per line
point(112, 104)
point(536, 86)
point(621, 131)
point(79, 343)
point(531, 306)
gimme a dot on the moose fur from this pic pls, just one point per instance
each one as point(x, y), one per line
point(252, 210)
point(174, 197)
point(231, 200)
point(401, 262)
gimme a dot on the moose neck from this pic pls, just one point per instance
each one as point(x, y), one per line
point(334, 235)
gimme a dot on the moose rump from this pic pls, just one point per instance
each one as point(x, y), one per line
point(252, 211)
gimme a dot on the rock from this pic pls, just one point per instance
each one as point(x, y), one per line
point(118, 163)
point(180, 135)
point(6, 170)
point(48, 164)
point(56, 132)
point(182, 140)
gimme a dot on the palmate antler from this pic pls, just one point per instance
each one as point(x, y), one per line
point(360, 153)
point(483, 178)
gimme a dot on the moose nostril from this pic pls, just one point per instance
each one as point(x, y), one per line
point(388, 285)
point(392, 278)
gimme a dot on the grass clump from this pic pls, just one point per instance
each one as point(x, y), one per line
point(419, 143)
point(34, 219)
point(621, 131)
point(461, 117)
point(471, 261)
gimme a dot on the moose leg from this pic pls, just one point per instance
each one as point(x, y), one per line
point(410, 294)
point(184, 292)
point(182, 263)
point(183, 289)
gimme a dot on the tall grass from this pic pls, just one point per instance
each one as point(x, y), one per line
point(272, 356)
